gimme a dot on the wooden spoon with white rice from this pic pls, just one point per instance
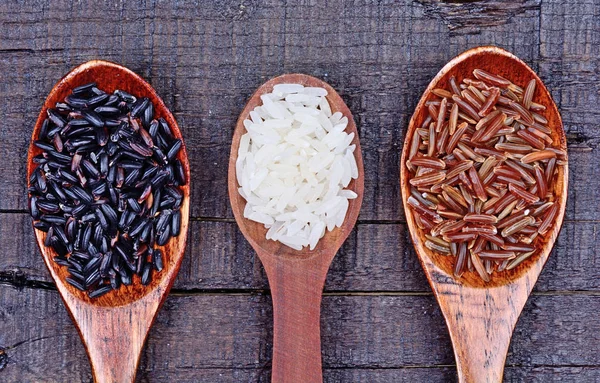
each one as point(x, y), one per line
point(296, 184)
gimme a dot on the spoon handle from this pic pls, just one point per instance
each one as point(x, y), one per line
point(297, 290)
point(114, 337)
point(481, 322)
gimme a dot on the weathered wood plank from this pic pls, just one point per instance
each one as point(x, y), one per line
point(473, 17)
point(205, 59)
point(402, 375)
point(375, 257)
point(233, 332)
point(380, 62)
point(448, 374)
point(209, 172)
point(570, 58)
point(399, 375)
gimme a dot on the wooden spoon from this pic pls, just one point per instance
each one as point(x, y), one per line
point(481, 316)
point(296, 277)
point(114, 326)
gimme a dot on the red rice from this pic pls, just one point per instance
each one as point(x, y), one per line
point(482, 168)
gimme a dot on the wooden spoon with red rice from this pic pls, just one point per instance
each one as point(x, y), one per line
point(469, 230)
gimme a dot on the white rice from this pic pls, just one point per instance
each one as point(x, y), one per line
point(294, 164)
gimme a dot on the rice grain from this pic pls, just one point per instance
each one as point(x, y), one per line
point(295, 162)
point(482, 168)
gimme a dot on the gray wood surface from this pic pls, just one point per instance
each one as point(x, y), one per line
point(380, 321)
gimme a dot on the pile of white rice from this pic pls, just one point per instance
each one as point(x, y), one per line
point(293, 165)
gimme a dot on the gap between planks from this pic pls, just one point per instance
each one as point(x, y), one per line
point(359, 222)
point(267, 292)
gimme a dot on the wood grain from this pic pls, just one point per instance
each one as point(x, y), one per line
point(367, 262)
point(382, 98)
point(195, 334)
point(205, 59)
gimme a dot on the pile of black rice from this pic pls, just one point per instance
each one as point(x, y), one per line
point(107, 188)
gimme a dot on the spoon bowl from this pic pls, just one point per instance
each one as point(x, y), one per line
point(113, 327)
point(296, 277)
point(481, 316)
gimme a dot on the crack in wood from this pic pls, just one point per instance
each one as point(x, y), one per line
point(580, 140)
point(30, 51)
point(19, 279)
point(358, 222)
point(24, 282)
point(470, 16)
point(3, 358)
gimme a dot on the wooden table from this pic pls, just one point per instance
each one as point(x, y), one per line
point(380, 321)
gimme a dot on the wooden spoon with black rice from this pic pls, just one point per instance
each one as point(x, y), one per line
point(109, 196)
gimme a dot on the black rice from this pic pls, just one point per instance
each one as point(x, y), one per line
point(97, 189)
